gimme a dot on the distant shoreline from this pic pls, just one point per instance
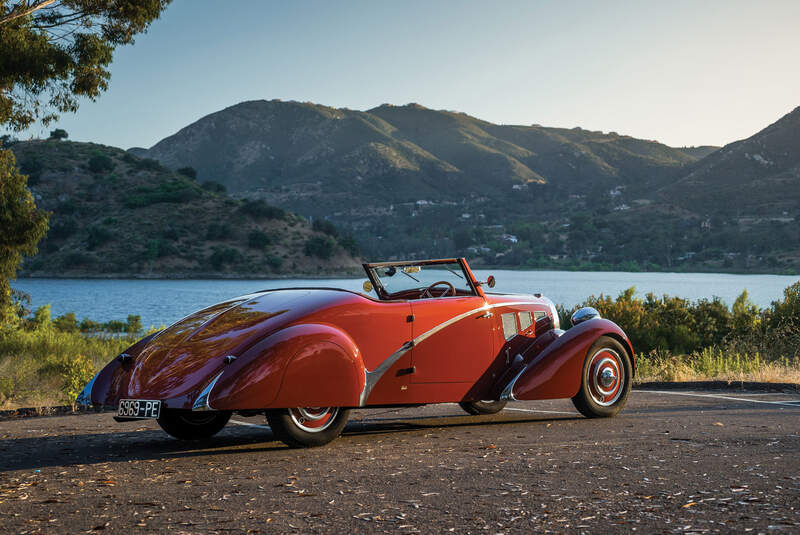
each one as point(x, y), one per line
point(356, 273)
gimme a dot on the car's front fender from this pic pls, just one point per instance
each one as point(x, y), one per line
point(556, 372)
point(307, 365)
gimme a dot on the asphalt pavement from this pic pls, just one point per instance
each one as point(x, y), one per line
point(671, 462)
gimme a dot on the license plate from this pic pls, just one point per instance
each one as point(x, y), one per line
point(139, 408)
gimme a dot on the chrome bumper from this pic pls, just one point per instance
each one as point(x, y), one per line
point(84, 399)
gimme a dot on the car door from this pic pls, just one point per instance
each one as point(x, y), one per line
point(453, 346)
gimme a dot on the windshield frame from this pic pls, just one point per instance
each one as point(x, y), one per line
point(384, 295)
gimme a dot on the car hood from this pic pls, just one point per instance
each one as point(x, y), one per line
point(184, 356)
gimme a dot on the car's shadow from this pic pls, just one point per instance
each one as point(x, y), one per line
point(91, 448)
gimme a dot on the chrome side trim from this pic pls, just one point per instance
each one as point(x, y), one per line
point(508, 392)
point(84, 399)
point(201, 403)
point(375, 375)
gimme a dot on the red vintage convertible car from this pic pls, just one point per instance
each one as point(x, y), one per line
point(423, 332)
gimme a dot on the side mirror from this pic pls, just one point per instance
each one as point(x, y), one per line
point(367, 286)
point(490, 282)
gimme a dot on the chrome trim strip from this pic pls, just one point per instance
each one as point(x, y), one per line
point(84, 399)
point(372, 377)
point(508, 391)
point(201, 403)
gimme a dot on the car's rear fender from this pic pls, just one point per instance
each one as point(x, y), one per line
point(556, 372)
point(307, 365)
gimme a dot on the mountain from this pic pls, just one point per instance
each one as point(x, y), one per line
point(294, 152)
point(409, 181)
point(115, 214)
point(757, 176)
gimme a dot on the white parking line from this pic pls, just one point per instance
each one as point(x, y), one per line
point(715, 396)
point(537, 410)
point(248, 424)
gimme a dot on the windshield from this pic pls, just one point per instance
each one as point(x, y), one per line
point(420, 281)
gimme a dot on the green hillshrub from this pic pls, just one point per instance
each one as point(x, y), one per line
point(274, 262)
point(174, 191)
point(223, 256)
point(259, 209)
point(320, 246)
point(188, 172)
point(98, 236)
point(100, 163)
point(350, 245)
point(258, 239)
point(321, 225)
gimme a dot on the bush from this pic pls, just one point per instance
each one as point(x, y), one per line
point(174, 191)
point(75, 371)
point(320, 246)
point(148, 164)
point(321, 225)
point(100, 163)
point(66, 323)
point(188, 172)
point(350, 245)
point(98, 236)
point(223, 256)
point(258, 239)
point(275, 262)
point(259, 209)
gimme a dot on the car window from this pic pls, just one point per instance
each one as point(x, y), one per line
point(509, 325)
point(396, 279)
point(525, 320)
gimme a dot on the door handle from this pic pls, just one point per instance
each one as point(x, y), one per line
point(485, 315)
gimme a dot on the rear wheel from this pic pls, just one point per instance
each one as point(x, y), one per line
point(482, 407)
point(188, 425)
point(305, 427)
point(605, 381)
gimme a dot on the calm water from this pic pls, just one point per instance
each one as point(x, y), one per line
point(161, 302)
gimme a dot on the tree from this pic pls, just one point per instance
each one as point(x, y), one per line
point(53, 52)
point(58, 134)
point(23, 226)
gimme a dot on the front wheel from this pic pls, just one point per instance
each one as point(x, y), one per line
point(306, 427)
point(188, 425)
point(605, 380)
point(482, 407)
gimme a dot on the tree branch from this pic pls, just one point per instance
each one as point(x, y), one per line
point(23, 10)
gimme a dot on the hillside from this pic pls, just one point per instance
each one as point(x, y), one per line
point(409, 181)
point(114, 214)
point(310, 157)
point(756, 177)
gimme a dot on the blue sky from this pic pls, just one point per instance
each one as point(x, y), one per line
point(680, 72)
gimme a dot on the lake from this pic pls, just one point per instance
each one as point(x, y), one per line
point(162, 302)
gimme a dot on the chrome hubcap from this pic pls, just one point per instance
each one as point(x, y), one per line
point(605, 377)
point(313, 419)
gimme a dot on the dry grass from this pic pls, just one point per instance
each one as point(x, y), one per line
point(713, 364)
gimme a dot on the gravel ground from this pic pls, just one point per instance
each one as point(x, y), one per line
point(671, 462)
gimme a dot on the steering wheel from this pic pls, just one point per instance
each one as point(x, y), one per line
point(429, 289)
